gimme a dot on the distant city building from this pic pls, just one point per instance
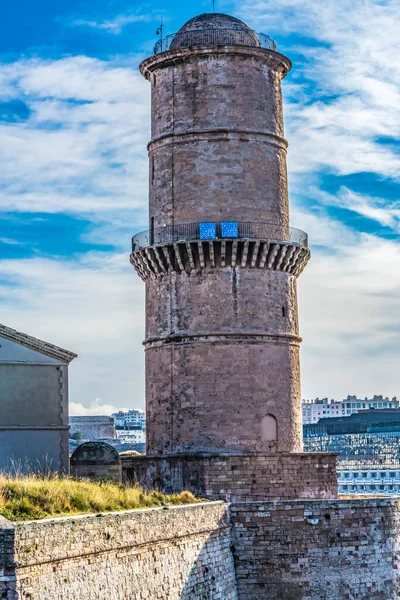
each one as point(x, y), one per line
point(130, 419)
point(131, 436)
point(92, 428)
point(34, 404)
point(368, 444)
point(314, 410)
point(369, 481)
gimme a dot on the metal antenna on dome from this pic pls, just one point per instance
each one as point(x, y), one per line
point(160, 33)
point(213, 1)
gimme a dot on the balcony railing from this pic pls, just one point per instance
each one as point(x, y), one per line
point(214, 37)
point(216, 231)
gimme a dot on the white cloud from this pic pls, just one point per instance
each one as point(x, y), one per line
point(96, 408)
point(380, 210)
point(323, 231)
point(83, 147)
point(340, 101)
point(356, 64)
point(82, 151)
point(349, 307)
point(10, 242)
point(94, 307)
point(115, 25)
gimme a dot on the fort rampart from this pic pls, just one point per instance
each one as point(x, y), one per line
point(240, 478)
point(297, 550)
point(154, 554)
point(317, 550)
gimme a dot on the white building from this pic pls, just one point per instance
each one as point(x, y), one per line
point(131, 436)
point(132, 418)
point(369, 481)
point(314, 410)
point(33, 404)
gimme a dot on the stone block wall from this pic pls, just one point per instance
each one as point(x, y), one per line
point(160, 554)
point(7, 570)
point(223, 357)
point(93, 428)
point(317, 550)
point(282, 550)
point(240, 146)
point(239, 478)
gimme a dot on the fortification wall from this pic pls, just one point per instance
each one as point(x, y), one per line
point(238, 478)
point(159, 554)
point(93, 428)
point(317, 550)
point(286, 550)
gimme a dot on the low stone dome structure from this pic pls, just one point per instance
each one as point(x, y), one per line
point(96, 460)
point(214, 29)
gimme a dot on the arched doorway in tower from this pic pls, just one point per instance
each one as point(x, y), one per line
point(269, 431)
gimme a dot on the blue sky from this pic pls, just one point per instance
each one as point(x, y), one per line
point(74, 123)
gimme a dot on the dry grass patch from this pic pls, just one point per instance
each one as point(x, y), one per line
point(34, 497)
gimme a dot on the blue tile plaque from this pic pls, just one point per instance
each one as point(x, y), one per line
point(229, 230)
point(208, 231)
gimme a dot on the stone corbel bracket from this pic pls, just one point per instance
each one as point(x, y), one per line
point(158, 260)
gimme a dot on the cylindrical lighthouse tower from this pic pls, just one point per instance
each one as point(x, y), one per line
point(220, 261)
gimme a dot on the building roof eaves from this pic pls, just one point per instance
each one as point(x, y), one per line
point(35, 344)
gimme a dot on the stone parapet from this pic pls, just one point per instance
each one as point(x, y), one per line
point(264, 550)
point(276, 61)
point(317, 550)
point(182, 553)
point(234, 478)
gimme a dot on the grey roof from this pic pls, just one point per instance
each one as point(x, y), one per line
point(215, 29)
point(214, 20)
point(35, 344)
point(223, 29)
point(361, 422)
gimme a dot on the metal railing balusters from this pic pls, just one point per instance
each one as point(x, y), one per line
point(185, 232)
point(222, 36)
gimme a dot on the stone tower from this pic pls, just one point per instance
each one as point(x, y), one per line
point(220, 261)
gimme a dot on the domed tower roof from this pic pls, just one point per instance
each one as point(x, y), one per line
point(214, 29)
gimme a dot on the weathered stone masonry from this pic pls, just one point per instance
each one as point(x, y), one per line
point(176, 554)
point(222, 335)
point(242, 478)
point(289, 550)
point(316, 550)
point(220, 265)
